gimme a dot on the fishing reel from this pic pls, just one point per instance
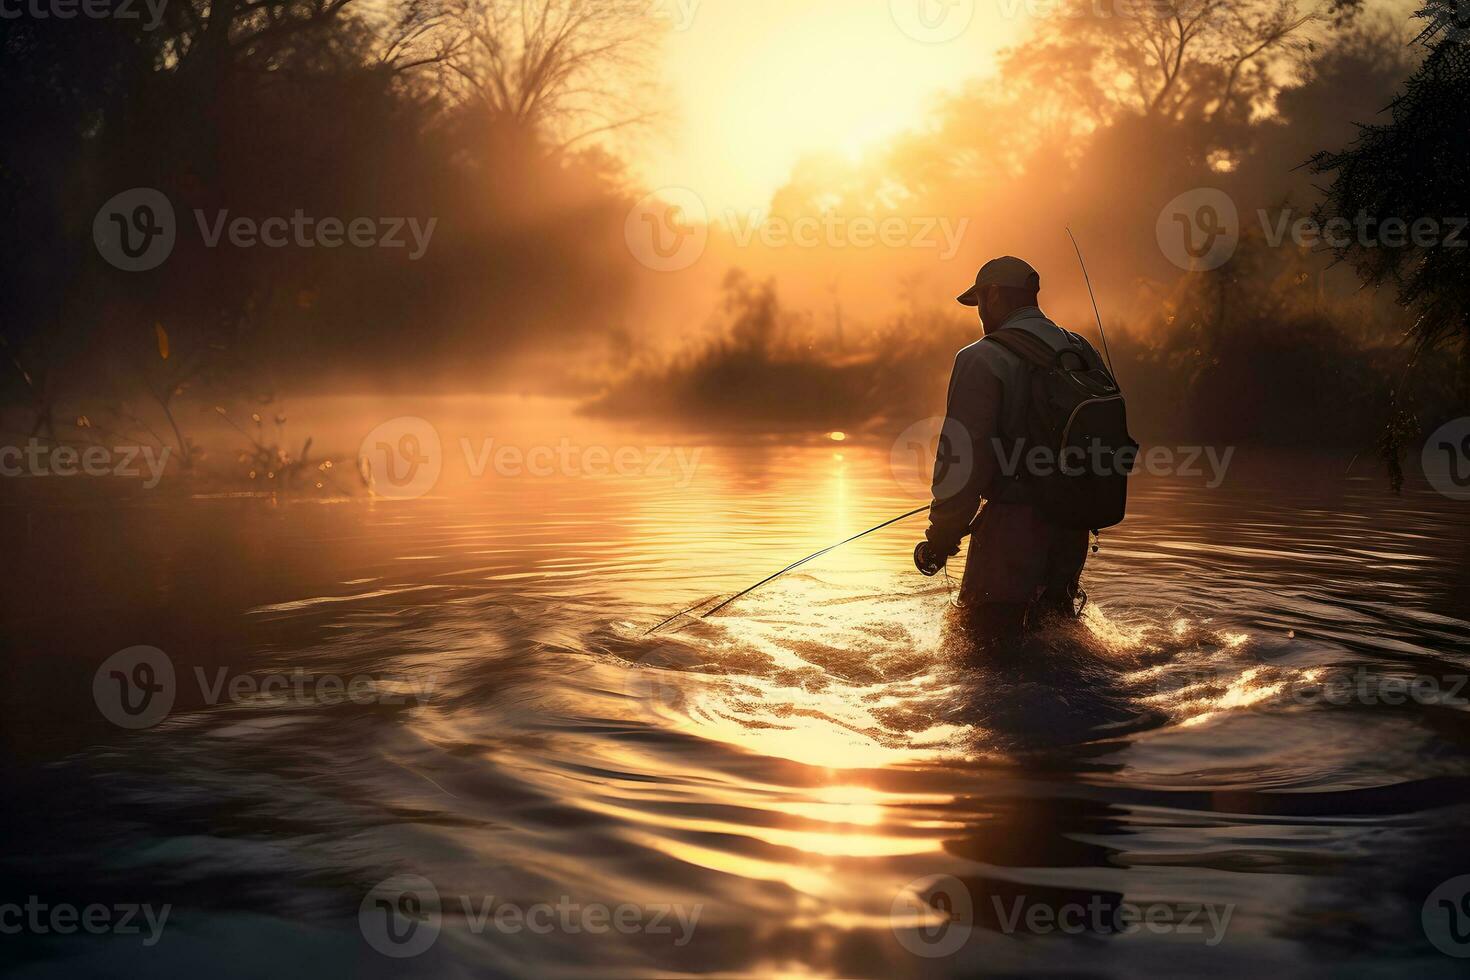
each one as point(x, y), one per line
point(927, 561)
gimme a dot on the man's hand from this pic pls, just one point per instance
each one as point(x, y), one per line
point(928, 560)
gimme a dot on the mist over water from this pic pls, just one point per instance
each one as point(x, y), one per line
point(790, 768)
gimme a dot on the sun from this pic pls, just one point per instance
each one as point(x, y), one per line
point(760, 84)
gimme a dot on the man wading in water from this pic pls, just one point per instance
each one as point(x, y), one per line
point(1035, 428)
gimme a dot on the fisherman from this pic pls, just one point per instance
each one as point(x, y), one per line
point(1023, 564)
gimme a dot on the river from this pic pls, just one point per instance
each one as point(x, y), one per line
point(434, 737)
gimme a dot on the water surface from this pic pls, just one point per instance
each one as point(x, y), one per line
point(811, 769)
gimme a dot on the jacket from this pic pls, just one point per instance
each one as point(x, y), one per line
point(1019, 552)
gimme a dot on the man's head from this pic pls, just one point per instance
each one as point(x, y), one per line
point(1003, 286)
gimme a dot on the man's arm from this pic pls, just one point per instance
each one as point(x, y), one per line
point(966, 463)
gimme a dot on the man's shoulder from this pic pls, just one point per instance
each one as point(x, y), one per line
point(990, 355)
point(1056, 334)
point(982, 359)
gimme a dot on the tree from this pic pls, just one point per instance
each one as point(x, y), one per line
point(1173, 59)
point(1409, 172)
point(564, 69)
point(1411, 169)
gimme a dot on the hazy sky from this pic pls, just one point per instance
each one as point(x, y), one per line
point(760, 83)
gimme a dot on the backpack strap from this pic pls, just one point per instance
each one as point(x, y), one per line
point(1027, 346)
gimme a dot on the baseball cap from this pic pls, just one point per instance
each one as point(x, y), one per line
point(1004, 271)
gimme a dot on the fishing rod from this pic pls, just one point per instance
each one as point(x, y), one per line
point(1093, 296)
point(789, 568)
point(902, 517)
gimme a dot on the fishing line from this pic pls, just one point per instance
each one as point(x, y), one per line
point(1093, 296)
point(789, 568)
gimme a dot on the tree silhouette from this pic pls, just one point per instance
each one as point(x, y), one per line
point(1411, 170)
point(564, 69)
point(1408, 173)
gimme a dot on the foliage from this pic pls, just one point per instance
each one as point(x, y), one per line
point(1409, 169)
point(333, 109)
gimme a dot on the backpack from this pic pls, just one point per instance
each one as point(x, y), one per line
point(1075, 409)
